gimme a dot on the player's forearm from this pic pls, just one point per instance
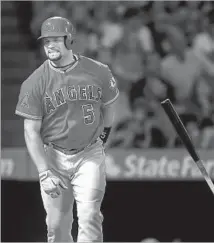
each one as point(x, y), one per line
point(36, 150)
point(109, 115)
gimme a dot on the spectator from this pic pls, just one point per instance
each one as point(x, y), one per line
point(192, 125)
point(157, 22)
point(204, 45)
point(203, 97)
point(181, 68)
point(207, 131)
point(153, 87)
point(201, 133)
point(129, 131)
point(128, 55)
point(104, 55)
point(145, 34)
point(86, 42)
point(111, 29)
point(139, 131)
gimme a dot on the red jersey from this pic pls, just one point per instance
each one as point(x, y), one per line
point(68, 102)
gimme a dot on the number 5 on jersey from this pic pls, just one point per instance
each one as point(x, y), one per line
point(88, 114)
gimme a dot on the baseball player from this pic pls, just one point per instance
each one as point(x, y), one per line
point(68, 109)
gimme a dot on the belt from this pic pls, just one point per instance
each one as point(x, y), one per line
point(69, 151)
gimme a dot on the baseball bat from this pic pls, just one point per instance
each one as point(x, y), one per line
point(183, 134)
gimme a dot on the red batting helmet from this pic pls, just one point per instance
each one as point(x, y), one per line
point(56, 27)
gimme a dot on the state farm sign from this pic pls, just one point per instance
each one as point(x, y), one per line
point(156, 165)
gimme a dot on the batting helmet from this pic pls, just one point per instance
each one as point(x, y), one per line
point(56, 27)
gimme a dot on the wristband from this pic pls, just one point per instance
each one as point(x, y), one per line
point(105, 134)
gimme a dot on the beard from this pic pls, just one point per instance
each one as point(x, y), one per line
point(54, 55)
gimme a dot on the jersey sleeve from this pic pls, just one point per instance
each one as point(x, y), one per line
point(30, 101)
point(110, 91)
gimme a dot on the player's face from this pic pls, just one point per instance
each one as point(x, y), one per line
point(55, 48)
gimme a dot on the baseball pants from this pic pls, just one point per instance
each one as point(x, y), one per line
point(84, 175)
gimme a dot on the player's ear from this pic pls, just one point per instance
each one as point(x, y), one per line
point(68, 42)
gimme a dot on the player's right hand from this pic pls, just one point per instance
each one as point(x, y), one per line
point(51, 183)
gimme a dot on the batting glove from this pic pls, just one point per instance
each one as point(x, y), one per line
point(51, 183)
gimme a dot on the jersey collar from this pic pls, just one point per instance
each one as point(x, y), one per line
point(67, 70)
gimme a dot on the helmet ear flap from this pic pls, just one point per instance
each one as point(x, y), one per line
point(68, 41)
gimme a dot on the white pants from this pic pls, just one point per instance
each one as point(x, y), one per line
point(84, 174)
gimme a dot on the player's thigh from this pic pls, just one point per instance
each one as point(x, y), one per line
point(57, 208)
point(91, 172)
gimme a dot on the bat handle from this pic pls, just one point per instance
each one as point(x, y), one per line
point(209, 183)
point(205, 174)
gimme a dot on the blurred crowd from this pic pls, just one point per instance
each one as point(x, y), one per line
point(156, 50)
